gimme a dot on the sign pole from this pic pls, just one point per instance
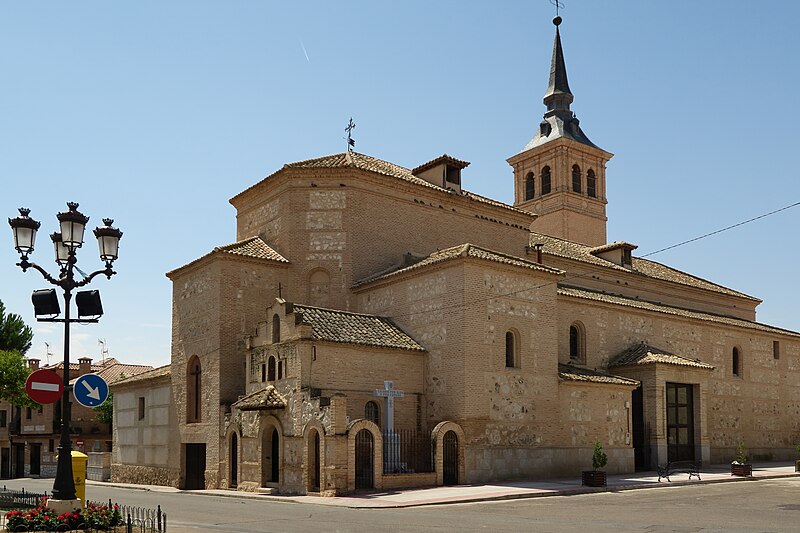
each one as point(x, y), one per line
point(64, 485)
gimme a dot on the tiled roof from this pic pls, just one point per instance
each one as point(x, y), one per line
point(576, 373)
point(465, 250)
point(612, 246)
point(581, 252)
point(676, 311)
point(112, 371)
point(353, 328)
point(441, 159)
point(252, 247)
point(267, 398)
point(644, 354)
point(145, 376)
point(379, 166)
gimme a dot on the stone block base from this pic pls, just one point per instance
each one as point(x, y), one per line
point(64, 506)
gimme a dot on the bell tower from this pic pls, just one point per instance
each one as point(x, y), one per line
point(561, 175)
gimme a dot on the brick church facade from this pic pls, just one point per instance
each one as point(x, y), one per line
point(514, 336)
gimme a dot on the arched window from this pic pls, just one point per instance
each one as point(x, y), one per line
point(546, 180)
point(371, 413)
point(577, 353)
point(271, 368)
point(512, 361)
point(529, 186)
point(591, 184)
point(276, 329)
point(736, 362)
point(194, 390)
point(576, 178)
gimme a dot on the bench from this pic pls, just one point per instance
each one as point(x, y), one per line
point(679, 467)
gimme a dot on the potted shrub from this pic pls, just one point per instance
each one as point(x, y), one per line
point(797, 462)
point(596, 477)
point(740, 466)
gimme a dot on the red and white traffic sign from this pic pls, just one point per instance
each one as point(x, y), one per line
point(44, 386)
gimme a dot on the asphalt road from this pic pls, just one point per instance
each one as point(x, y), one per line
point(766, 505)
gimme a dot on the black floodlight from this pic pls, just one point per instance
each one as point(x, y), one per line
point(88, 303)
point(45, 303)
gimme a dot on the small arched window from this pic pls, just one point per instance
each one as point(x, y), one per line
point(194, 390)
point(736, 362)
point(276, 329)
point(546, 180)
point(263, 373)
point(512, 361)
point(529, 186)
point(576, 178)
point(271, 368)
point(577, 352)
point(371, 413)
point(591, 184)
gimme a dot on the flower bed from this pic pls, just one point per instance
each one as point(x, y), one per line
point(95, 517)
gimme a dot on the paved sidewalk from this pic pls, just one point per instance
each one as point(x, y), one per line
point(501, 490)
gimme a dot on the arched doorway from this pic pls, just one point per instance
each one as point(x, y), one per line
point(450, 458)
point(270, 457)
point(365, 460)
point(234, 460)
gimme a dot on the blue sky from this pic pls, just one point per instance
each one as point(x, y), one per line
point(156, 113)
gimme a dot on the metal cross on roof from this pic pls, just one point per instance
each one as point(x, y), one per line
point(559, 5)
point(351, 143)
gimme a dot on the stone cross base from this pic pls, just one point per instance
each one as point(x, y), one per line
point(64, 506)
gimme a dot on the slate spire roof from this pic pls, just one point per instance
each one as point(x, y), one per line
point(558, 96)
point(559, 120)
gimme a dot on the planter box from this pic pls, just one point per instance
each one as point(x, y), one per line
point(745, 470)
point(593, 478)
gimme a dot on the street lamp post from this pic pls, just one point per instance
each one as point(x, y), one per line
point(72, 224)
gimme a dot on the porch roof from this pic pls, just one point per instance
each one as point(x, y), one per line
point(644, 354)
point(577, 373)
point(267, 398)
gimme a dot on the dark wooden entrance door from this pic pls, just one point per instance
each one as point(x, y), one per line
point(234, 455)
point(680, 422)
point(195, 478)
point(365, 460)
point(276, 458)
point(639, 437)
point(450, 458)
point(5, 463)
point(36, 459)
point(19, 460)
point(316, 464)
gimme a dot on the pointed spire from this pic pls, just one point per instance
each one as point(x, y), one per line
point(558, 96)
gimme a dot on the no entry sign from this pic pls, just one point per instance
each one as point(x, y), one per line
point(44, 386)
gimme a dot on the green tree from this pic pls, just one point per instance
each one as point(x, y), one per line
point(15, 335)
point(13, 373)
point(105, 411)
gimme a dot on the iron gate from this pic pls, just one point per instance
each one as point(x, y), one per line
point(450, 458)
point(365, 460)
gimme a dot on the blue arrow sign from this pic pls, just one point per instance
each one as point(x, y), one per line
point(90, 390)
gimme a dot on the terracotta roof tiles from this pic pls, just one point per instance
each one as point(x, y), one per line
point(576, 373)
point(644, 354)
point(353, 328)
point(267, 398)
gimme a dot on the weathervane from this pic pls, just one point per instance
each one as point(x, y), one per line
point(351, 143)
point(559, 5)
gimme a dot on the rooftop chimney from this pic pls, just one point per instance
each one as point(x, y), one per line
point(444, 172)
point(84, 366)
point(33, 364)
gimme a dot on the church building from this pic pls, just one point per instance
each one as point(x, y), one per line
point(376, 327)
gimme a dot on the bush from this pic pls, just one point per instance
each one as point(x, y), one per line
point(95, 516)
point(599, 459)
point(741, 454)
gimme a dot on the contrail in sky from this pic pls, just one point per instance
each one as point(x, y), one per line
point(304, 51)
